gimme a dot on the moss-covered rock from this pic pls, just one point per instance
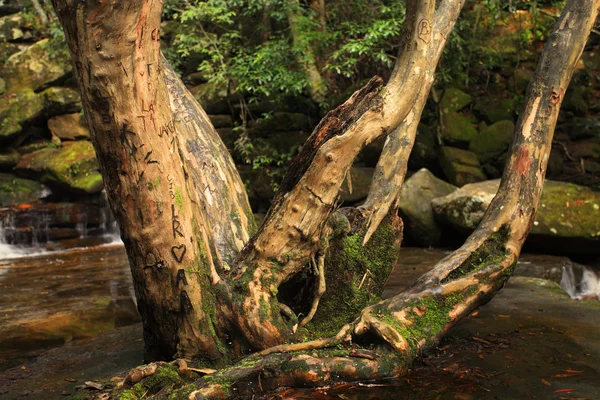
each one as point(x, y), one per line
point(35, 66)
point(576, 100)
point(457, 128)
point(72, 166)
point(493, 141)
point(15, 190)
point(494, 111)
point(460, 166)
point(454, 100)
point(221, 121)
point(27, 105)
point(69, 127)
point(17, 27)
point(567, 220)
point(9, 158)
point(415, 208)
point(355, 274)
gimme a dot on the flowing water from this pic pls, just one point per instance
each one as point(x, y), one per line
point(61, 294)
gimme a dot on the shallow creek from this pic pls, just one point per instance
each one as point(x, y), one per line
point(79, 303)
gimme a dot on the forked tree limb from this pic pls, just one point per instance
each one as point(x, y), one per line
point(293, 228)
point(393, 162)
point(415, 320)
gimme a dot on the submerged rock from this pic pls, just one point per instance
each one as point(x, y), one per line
point(72, 166)
point(415, 208)
point(567, 219)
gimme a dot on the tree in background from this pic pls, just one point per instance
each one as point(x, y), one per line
point(211, 288)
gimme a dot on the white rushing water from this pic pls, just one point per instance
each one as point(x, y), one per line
point(583, 285)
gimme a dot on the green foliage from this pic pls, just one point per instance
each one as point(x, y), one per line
point(259, 47)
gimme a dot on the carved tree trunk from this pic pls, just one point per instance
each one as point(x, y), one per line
point(207, 289)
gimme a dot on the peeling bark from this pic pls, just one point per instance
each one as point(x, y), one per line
point(393, 162)
point(172, 186)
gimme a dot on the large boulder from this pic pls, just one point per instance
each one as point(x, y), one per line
point(69, 127)
point(454, 100)
point(492, 141)
point(415, 208)
point(567, 219)
point(27, 105)
point(72, 166)
point(456, 128)
point(360, 182)
point(36, 66)
point(15, 190)
point(460, 166)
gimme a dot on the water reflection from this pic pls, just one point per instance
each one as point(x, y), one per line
point(50, 299)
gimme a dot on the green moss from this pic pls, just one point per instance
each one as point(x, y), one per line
point(428, 316)
point(166, 376)
point(492, 251)
point(355, 276)
point(179, 199)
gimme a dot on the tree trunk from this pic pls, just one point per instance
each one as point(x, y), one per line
point(180, 203)
point(184, 215)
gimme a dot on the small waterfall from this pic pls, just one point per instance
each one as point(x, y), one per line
point(41, 227)
point(582, 284)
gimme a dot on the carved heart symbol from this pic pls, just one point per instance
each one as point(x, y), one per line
point(178, 252)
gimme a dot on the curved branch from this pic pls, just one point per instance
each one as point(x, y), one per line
point(392, 165)
point(294, 226)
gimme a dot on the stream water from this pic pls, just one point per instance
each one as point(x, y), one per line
point(56, 294)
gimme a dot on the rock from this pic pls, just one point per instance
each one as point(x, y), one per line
point(360, 178)
point(494, 112)
point(460, 166)
point(9, 158)
point(2, 86)
point(15, 28)
point(520, 79)
point(26, 105)
point(69, 127)
point(555, 163)
point(35, 66)
point(424, 153)
point(567, 219)
point(15, 190)
point(72, 166)
point(576, 100)
point(415, 208)
point(457, 128)
point(454, 100)
point(212, 97)
point(259, 187)
point(221, 121)
point(281, 121)
point(492, 141)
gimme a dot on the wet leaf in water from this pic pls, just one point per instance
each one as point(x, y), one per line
point(545, 382)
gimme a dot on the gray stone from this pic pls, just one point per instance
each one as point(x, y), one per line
point(567, 220)
point(69, 127)
point(15, 190)
point(415, 208)
point(360, 178)
point(457, 128)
